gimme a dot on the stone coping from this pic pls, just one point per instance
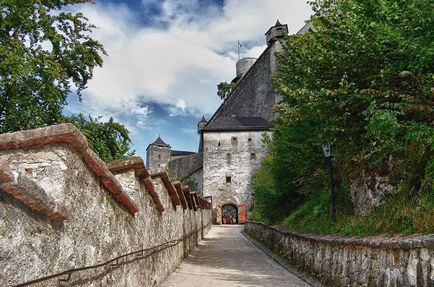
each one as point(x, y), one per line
point(206, 203)
point(181, 195)
point(193, 196)
point(70, 135)
point(409, 242)
point(30, 194)
point(169, 186)
point(129, 163)
point(187, 195)
point(197, 200)
point(149, 186)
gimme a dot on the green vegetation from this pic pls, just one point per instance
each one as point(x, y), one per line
point(45, 54)
point(224, 89)
point(110, 140)
point(399, 215)
point(362, 80)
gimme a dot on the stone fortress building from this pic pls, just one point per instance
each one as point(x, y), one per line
point(230, 147)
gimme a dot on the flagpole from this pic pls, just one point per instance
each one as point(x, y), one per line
point(238, 50)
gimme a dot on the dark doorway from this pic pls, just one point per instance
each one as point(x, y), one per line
point(229, 214)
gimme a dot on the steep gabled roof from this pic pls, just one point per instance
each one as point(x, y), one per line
point(159, 142)
point(238, 124)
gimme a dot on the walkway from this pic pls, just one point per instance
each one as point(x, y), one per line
point(225, 258)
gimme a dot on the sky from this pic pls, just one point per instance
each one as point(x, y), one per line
point(166, 57)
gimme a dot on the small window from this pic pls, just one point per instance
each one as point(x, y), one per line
point(159, 156)
point(252, 156)
point(159, 165)
point(279, 29)
point(234, 141)
point(250, 140)
point(228, 158)
point(228, 180)
point(218, 144)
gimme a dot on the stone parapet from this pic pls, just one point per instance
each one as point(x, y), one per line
point(70, 135)
point(169, 186)
point(66, 214)
point(351, 261)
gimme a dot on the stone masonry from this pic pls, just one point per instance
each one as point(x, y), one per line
point(229, 161)
point(349, 261)
point(61, 208)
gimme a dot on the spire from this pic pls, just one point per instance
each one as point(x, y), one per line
point(277, 23)
point(203, 120)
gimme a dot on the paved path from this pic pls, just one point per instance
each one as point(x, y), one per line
point(226, 258)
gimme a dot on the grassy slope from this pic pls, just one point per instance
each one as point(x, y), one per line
point(401, 214)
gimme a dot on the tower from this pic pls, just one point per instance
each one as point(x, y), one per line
point(201, 124)
point(158, 155)
point(277, 31)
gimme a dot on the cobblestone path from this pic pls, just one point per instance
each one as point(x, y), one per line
point(226, 258)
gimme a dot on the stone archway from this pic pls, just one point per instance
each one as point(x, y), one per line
point(229, 213)
point(239, 217)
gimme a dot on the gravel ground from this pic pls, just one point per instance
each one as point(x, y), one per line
point(225, 258)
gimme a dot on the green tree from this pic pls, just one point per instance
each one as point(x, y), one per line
point(361, 79)
point(224, 89)
point(110, 140)
point(45, 53)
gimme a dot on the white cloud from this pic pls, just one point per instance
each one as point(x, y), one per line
point(180, 58)
point(153, 64)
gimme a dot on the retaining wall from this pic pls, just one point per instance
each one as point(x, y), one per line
point(63, 208)
point(350, 261)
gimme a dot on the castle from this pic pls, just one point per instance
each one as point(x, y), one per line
point(230, 147)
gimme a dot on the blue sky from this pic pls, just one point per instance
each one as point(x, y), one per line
point(166, 57)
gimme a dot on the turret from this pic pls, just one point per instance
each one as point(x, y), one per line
point(276, 32)
point(201, 124)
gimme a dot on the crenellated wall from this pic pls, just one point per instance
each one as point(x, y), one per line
point(62, 208)
point(350, 261)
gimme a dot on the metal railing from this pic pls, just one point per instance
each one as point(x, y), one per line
point(139, 254)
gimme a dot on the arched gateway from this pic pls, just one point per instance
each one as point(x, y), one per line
point(230, 213)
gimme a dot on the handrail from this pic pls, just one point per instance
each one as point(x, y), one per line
point(138, 253)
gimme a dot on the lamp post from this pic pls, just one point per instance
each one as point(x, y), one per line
point(327, 148)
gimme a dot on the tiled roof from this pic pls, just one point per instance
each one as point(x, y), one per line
point(305, 28)
point(160, 142)
point(180, 152)
point(238, 124)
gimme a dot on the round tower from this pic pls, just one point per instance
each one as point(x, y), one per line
point(243, 65)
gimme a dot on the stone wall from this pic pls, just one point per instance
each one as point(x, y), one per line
point(62, 208)
point(350, 261)
point(254, 95)
point(225, 158)
point(189, 169)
